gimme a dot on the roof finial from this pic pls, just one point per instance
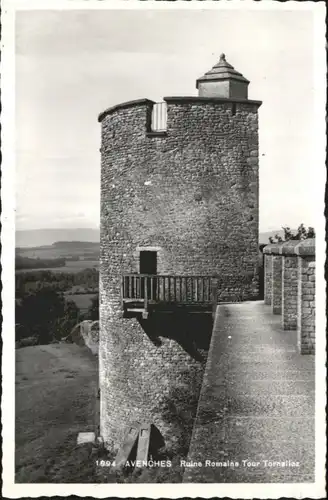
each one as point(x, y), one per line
point(222, 57)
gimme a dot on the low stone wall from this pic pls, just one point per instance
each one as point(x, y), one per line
point(267, 281)
point(276, 284)
point(154, 368)
point(306, 305)
point(289, 285)
point(86, 333)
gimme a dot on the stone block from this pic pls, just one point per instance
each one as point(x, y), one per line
point(86, 437)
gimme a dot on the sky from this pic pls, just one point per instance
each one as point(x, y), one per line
point(71, 65)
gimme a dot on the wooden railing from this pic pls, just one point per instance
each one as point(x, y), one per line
point(169, 289)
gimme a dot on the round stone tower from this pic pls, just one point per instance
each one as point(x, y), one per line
point(179, 199)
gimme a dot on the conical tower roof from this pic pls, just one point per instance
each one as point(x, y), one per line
point(222, 71)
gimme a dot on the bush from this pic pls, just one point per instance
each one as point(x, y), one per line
point(301, 234)
point(45, 315)
point(28, 341)
point(93, 311)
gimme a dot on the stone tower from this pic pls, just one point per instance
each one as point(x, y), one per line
point(179, 198)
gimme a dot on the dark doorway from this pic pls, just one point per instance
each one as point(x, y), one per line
point(148, 262)
point(148, 265)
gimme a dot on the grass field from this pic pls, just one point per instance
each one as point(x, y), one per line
point(75, 266)
point(55, 400)
point(70, 267)
point(56, 388)
point(55, 252)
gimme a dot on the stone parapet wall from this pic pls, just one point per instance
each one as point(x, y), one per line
point(290, 288)
point(152, 370)
point(86, 333)
point(276, 284)
point(289, 292)
point(306, 305)
point(268, 280)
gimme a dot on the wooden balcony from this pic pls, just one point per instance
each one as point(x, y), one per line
point(144, 293)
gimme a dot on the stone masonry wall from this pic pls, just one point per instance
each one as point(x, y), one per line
point(276, 284)
point(306, 305)
point(235, 288)
point(289, 292)
point(192, 194)
point(293, 287)
point(149, 375)
point(268, 279)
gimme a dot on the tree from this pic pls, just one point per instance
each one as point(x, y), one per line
point(70, 318)
point(301, 234)
point(93, 311)
point(37, 315)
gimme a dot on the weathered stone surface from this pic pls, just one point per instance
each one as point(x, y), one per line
point(306, 304)
point(306, 247)
point(86, 437)
point(276, 284)
point(288, 247)
point(289, 291)
point(272, 249)
point(268, 279)
point(86, 333)
point(290, 287)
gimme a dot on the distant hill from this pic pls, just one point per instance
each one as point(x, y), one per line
point(77, 244)
point(264, 237)
point(65, 237)
point(43, 237)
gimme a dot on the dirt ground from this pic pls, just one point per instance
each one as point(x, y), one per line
point(56, 387)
